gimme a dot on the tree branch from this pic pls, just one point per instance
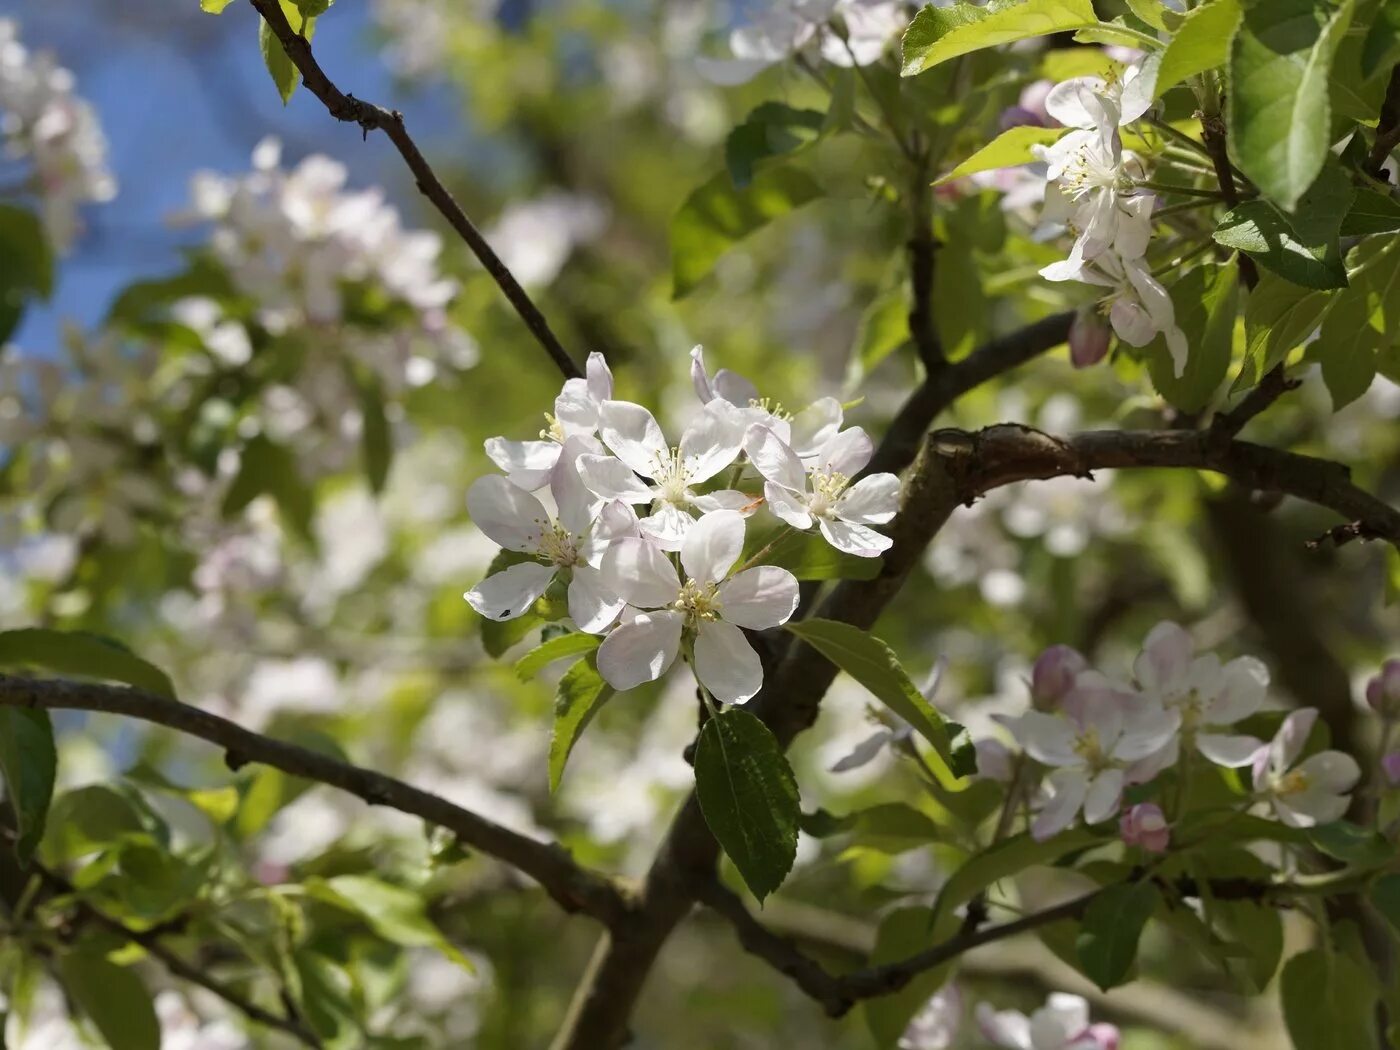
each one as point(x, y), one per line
point(575, 888)
point(371, 117)
point(1387, 127)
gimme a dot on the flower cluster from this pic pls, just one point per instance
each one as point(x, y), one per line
point(45, 125)
point(845, 33)
point(673, 578)
point(1092, 189)
point(1099, 737)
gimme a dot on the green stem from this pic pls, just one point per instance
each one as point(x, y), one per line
point(1185, 191)
point(767, 548)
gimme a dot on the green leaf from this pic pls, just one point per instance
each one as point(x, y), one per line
point(1364, 319)
point(1112, 925)
point(1257, 228)
point(1205, 300)
point(376, 436)
point(893, 827)
point(1007, 858)
point(82, 654)
point(1328, 1002)
point(26, 265)
point(1371, 212)
point(575, 643)
point(114, 998)
point(1385, 898)
point(29, 764)
point(717, 216)
point(884, 328)
point(88, 819)
point(1351, 843)
point(902, 933)
point(1382, 46)
point(1256, 930)
point(395, 913)
point(1278, 112)
point(581, 693)
point(1150, 11)
point(938, 34)
point(1201, 42)
point(214, 7)
point(749, 797)
point(266, 467)
point(1009, 149)
point(874, 665)
point(284, 73)
point(1277, 317)
point(771, 130)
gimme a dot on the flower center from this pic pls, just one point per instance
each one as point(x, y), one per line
point(770, 405)
point(1293, 783)
point(557, 544)
point(699, 603)
point(553, 431)
point(1088, 747)
point(827, 487)
point(671, 477)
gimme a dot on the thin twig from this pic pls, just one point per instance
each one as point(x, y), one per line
point(1387, 127)
point(371, 117)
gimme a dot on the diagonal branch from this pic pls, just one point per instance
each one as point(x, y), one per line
point(371, 118)
point(574, 887)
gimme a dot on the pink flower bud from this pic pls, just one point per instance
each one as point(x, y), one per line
point(1053, 675)
point(1390, 766)
point(1104, 1036)
point(1089, 337)
point(1145, 825)
point(1383, 691)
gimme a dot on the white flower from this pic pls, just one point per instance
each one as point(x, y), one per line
point(1208, 697)
point(730, 392)
point(935, 1026)
point(535, 238)
point(708, 608)
point(1061, 1024)
point(1093, 749)
point(823, 495)
point(708, 445)
point(530, 463)
point(574, 540)
point(893, 734)
point(788, 26)
point(1313, 792)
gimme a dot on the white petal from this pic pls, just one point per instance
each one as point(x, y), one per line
point(815, 425)
point(668, 527)
point(1046, 738)
point(607, 477)
point(1145, 732)
point(575, 408)
point(1243, 684)
point(1231, 751)
point(726, 499)
point(870, 501)
point(859, 540)
point(1101, 801)
point(507, 513)
point(1078, 103)
point(712, 546)
point(759, 598)
point(730, 72)
point(527, 462)
point(865, 752)
point(600, 377)
point(591, 605)
point(507, 594)
point(725, 662)
point(634, 436)
point(1334, 772)
point(1307, 809)
point(1131, 323)
point(1069, 786)
point(1070, 1014)
point(787, 505)
point(575, 502)
point(846, 453)
point(734, 388)
point(709, 444)
point(640, 651)
point(775, 459)
point(1288, 742)
point(1005, 1028)
point(700, 378)
point(639, 571)
point(1165, 657)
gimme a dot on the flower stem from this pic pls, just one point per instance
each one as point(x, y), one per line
point(1185, 191)
point(766, 549)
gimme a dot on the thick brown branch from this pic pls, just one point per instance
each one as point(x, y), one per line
point(370, 118)
point(574, 887)
point(1268, 390)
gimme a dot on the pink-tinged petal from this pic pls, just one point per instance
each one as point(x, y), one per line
point(859, 540)
point(709, 445)
point(592, 606)
point(1334, 772)
point(1046, 738)
point(1104, 794)
point(607, 477)
point(870, 501)
point(1145, 769)
point(528, 463)
point(1231, 751)
point(726, 663)
point(775, 459)
point(727, 499)
point(640, 651)
point(1004, 1028)
point(1145, 731)
point(1069, 787)
point(1131, 322)
point(712, 546)
point(600, 378)
point(699, 378)
point(1288, 742)
point(634, 436)
point(639, 571)
point(507, 513)
point(846, 453)
point(865, 752)
point(788, 506)
point(1243, 685)
point(508, 594)
point(667, 528)
point(759, 598)
point(1165, 658)
point(994, 760)
point(815, 425)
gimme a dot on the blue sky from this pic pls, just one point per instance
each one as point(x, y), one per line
point(178, 91)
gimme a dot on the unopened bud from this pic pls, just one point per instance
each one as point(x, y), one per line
point(1053, 675)
point(1089, 337)
point(1102, 1036)
point(1145, 825)
point(1390, 766)
point(1383, 691)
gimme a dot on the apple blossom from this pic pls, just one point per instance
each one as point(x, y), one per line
point(1061, 1024)
point(726, 391)
point(935, 1026)
point(1306, 793)
point(705, 610)
point(574, 541)
point(1145, 825)
point(1089, 338)
point(1053, 675)
point(530, 463)
point(822, 494)
point(708, 445)
point(789, 26)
